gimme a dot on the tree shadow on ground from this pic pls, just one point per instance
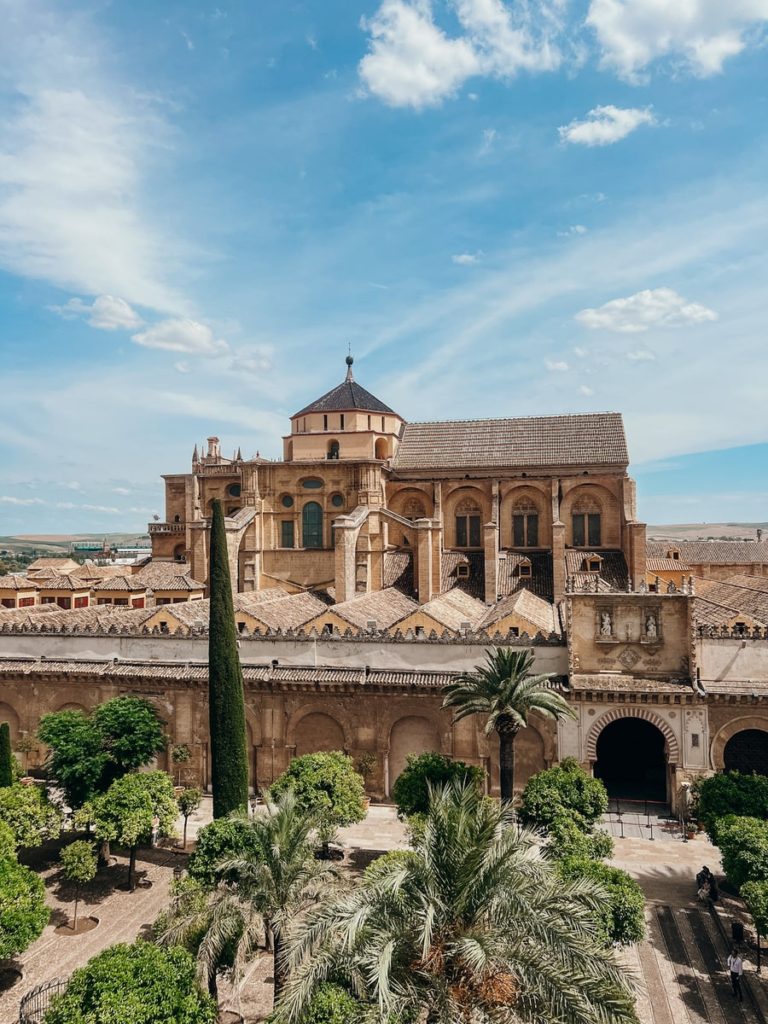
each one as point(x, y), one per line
point(358, 859)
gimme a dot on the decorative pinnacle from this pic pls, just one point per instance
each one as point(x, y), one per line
point(349, 361)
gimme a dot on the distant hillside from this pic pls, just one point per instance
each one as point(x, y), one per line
point(59, 543)
point(707, 531)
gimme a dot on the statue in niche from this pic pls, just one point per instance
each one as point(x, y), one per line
point(606, 626)
point(650, 628)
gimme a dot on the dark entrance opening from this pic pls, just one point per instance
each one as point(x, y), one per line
point(631, 760)
point(747, 752)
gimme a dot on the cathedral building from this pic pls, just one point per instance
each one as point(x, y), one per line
point(380, 558)
point(362, 500)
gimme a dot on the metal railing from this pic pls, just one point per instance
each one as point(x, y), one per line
point(37, 1001)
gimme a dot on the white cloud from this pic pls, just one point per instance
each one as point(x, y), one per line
point(182, 367)
point(106, 312)
point(584, 390)
point(8, 499)
point(582, 353)
point(413, 62)
point(466, 259)
point(556, 365)
point(490, 135)
point(121, 490)
point(574, 229)
point(256, 360)
point(177, 335)
point(657, 307)
point(702, 33)
point(641, 355)
point(606, 125)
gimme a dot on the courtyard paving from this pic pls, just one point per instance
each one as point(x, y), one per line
point(680, 968)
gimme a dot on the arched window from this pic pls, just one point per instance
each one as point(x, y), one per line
point(382, 448)
point(468, 525)
point(525, 525)
point(585, 524)
point(312, 525)
point(333, 449)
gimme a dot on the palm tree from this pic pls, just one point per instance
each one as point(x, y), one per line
point(472, 925)
point(505, 690)
point(264, 891)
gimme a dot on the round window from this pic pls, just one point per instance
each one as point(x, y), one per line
point(287, 501)
point(337, 500)
point(234, 490)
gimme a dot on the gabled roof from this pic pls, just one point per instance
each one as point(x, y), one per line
point(120, 583)
point(59, 564)
point(384, 606)
point(713, 552)
point(528, 606)
point(14, 582)
point(64, 583)
point(453, 608)
point(346, 396)
point(585, 439)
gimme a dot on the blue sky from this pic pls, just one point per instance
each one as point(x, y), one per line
point(505, 209)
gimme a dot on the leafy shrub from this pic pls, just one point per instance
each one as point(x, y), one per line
point(743, 845)
point(375, 868)
point(566, 839)
point(137, 984)
point(333, 1004)
point(564, 787)
point(411, 790)
point(30, 815)
point(7, 841)
point(730, 793)
point(755, 895)
point(218, 841)
point(326, 786)
point(23, 913)
point(623, 918)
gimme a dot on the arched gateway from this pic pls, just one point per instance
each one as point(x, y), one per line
point(631, 750)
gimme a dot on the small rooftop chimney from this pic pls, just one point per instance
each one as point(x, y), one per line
point(759, 536)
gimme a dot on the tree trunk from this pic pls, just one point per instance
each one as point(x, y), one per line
point(280, 973)
point(77, 897)
point(184, 845)
point(104, 853)
point(132, 870)
point(507, 763)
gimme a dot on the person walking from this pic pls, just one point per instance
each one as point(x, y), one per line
point(736, 967)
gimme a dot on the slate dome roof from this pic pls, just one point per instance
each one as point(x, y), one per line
point(346, 396)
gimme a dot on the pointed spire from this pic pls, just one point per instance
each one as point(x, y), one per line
point(195, 456)
point(349, 361)
point(239, 455)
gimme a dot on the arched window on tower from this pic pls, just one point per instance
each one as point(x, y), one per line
point(586, 526)
point(312, 525)
point(468, 525)
point(525, 525)
point(333, 449)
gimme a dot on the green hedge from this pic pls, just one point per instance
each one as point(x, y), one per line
point(411, 790)
point(727, 794)
point(743, 846)
point(623, 919)
point(564, 787)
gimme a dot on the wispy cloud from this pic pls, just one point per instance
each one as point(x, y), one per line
point(188, 336)
point(105, 312)
point(556, 365)
point(605, 125)
point(467, 259)
point(657, 307)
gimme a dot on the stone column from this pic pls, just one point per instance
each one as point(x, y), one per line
point(558, 560)
point(637, 552)
point(491, 557)
point(424, 566)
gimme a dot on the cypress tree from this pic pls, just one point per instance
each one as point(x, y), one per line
point(229, 761)
point(6, 767)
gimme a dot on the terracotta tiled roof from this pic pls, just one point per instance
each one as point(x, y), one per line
point(398, 571)
point(346, 396)
point(540, 582)
point(168, 576)
point(589, 439)
point(749, 582)
point(540, 613)
point(57, 582)
point(621, 683)
point(131, 583)
point(91, 571)
point(666, 565)
point(291, 613)
point(59, 565)
point(713, 552)
point(613, 574)
point(718, 602)
point(252, 674)
point(474, 584)
point(385, 606)
point(17, 583)
point(453, 608)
